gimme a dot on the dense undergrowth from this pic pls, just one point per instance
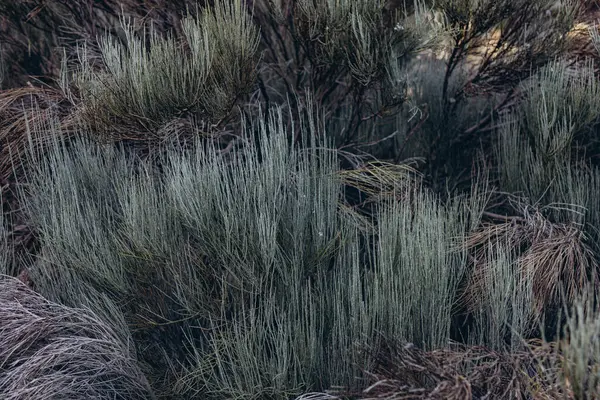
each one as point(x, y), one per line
point(292, 199)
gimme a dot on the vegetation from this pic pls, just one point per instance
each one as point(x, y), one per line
point(297, 199)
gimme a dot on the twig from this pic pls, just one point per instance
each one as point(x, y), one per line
point(503, 217)
point(412, 132)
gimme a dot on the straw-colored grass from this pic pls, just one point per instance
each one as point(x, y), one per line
point(553, 260)
point(51, 351)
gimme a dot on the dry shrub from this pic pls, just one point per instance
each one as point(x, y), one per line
point(20, 110)
point(49, 351)
point(555, 256)
point(403, 371)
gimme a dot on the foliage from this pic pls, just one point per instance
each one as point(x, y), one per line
point(155, 83)
point(253, 246)
point(493, 47)
point(32, 33)
point(581, 348)
point(418, 269)
point(260, 199)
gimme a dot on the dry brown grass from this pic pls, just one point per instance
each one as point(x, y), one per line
point(49, 351)
point(381, 179)
point(20, 110)
point(405, 372)
point(555, 256)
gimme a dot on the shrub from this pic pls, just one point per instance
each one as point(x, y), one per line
point(255, 251)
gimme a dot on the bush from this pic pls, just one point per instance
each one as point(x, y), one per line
point(265, 199)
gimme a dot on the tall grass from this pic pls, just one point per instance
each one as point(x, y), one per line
point(242, 271)
point(417, 270)
point(538, 157)
point(148, 84)
point(580, 370)
point(505, 313)
point(536, 151)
